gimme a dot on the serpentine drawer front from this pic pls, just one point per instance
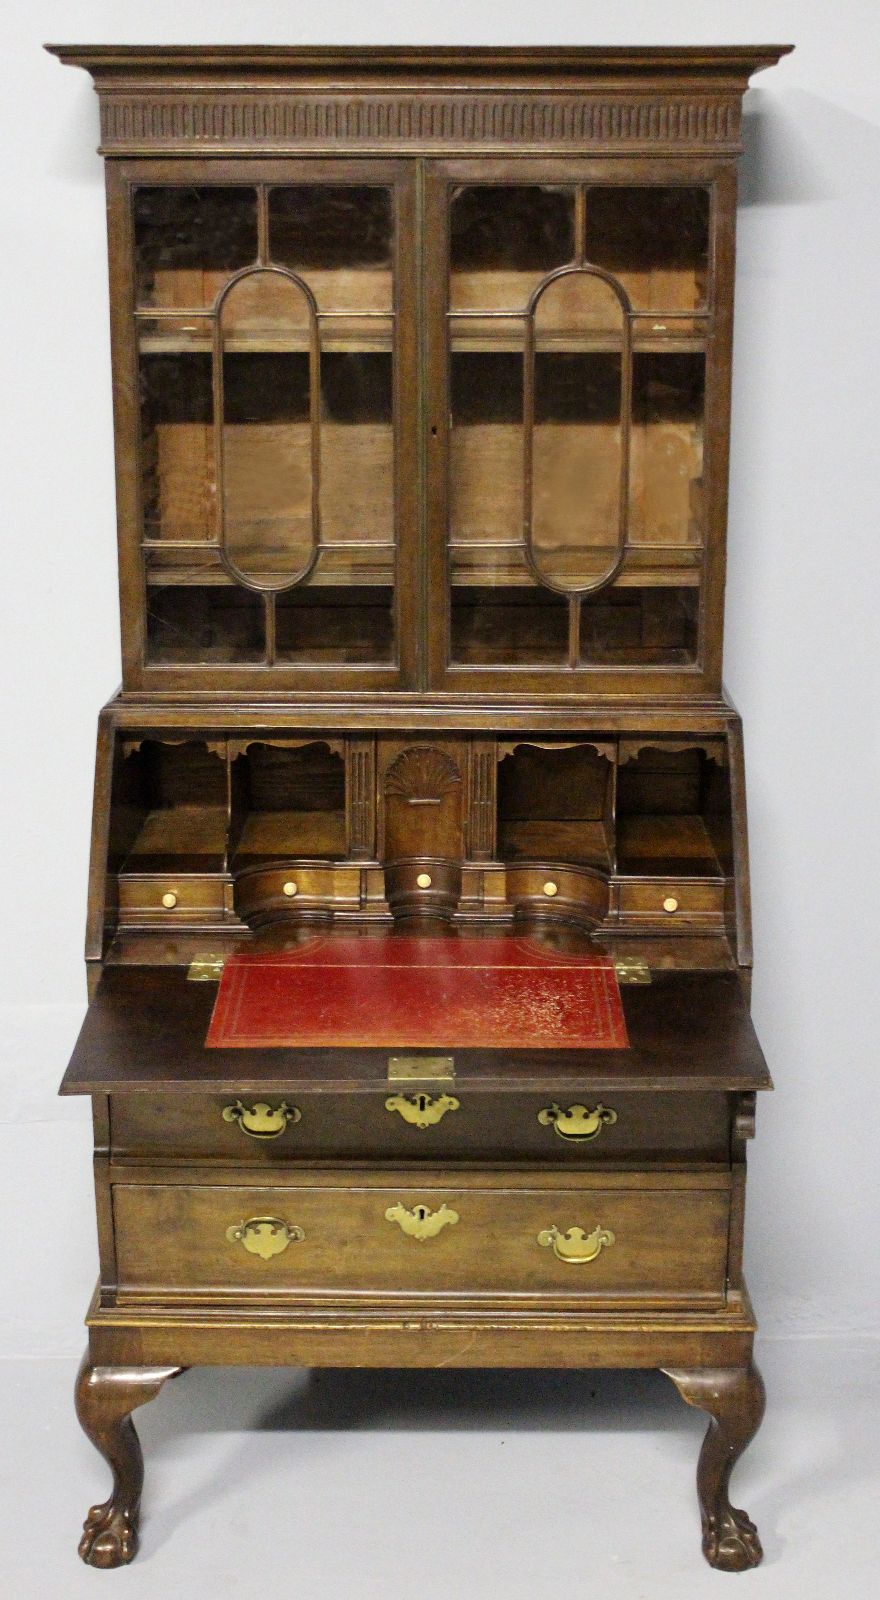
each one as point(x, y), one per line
point(409, 1123)
point(660, 1237)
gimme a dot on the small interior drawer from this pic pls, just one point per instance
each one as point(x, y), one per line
point(574, 894)
point(169, 897)
point(671, 900)
point(295, 889)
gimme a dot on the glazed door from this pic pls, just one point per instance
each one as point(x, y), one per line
point(268, 531)
point(578, 321)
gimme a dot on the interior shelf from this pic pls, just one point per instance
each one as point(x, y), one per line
point(184, 838)
point(662, 846)
point(334, 567)
point(355, 336)
point(643, 567)
point(579, 841)
point(282, 835)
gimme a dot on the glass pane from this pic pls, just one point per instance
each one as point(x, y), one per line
point(357, 457)
point(655, 240)
point(268, 476)
point(666, 475)
point(339, 238)
point(504, 240)
point(187, 242)
point(177, 447)
point(352, 626)
point(631, 626)
point(577, 441)
point(508, 627)
point(211, 623)
point(486, 465)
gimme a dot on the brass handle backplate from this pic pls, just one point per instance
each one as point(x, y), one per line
point(421, 1222)
point(574, 1246)
point(264, 1236)
point(260, 1120)
point(422, 1110)
point(578, 1124)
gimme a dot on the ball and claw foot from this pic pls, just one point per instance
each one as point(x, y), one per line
point(733, 1397)
point(105, 1399)
point(109, 1537)
point(730, 1541)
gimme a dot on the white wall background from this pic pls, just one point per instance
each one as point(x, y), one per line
point(802, 634)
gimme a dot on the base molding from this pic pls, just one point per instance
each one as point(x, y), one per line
point(424, 1336)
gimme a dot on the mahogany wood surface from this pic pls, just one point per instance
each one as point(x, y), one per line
point(146, 1027)
point(422, 559)
point(105, 1399)
point(734, 1400)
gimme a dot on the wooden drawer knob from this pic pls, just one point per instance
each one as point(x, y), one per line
point(424, 880)
point(551, 888)
point(290, 889)
point(169, 900)
point(574, 1246)
point(670, 904)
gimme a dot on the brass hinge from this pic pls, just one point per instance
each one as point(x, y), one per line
point(205, 969)
point(632, 969)
point(421, 1069)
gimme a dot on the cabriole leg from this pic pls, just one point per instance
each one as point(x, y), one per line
point(105, 1399)
point(734, 1399)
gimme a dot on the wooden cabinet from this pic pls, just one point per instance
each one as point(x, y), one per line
point(421, 365)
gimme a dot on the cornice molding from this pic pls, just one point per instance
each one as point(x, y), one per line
point(228, 100)
point(352, 63)
point(205, 121)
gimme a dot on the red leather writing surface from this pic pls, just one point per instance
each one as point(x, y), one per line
point(411, 991)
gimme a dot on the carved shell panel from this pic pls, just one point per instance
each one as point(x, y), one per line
point(422, 773)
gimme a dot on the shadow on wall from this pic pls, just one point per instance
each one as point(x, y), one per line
point(792, 147)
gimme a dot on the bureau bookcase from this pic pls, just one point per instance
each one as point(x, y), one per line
point(421, 367)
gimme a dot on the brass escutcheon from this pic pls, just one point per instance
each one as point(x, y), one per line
point(578, 1124)
point(574, 1246)
point(264, 1236)
point(421, 1223)
point(422, 1110)
point(262, 1121)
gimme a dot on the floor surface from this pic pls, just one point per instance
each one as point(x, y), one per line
point(448, 1485)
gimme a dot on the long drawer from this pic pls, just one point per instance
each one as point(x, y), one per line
point(646, 1237)
point(408, 1124)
